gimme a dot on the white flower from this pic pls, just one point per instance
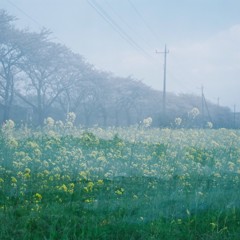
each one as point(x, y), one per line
point(194, 112)
point(147, 122)
point(9, 124)
point(59, 123)
point(71, 116)
point(178, 121)
point(49, 122)
point(209, 124)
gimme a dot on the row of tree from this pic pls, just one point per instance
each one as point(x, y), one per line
point(41, 78)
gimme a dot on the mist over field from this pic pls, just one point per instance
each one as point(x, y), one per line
point(121, 37)
point(119, 119)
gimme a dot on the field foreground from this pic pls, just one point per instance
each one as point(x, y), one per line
point(134, 183)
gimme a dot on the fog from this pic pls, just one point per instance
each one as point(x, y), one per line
point(119, 119)
point(122, 36)
point(104, 61)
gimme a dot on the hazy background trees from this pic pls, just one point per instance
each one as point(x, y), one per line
point(41, 78)
point(10, 55)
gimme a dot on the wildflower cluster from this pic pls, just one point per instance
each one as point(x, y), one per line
point(121, 171)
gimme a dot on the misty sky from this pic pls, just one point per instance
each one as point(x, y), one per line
point(121, 36)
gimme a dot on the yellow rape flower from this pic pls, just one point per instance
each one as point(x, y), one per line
point(13, 180)
point(90, 186)
point(100, 182)
point(63, 188)
point(218, 175)
point(27, 170)
point(135, 196)
point(119, 191)
point(38, 197)
point(83, 174)
point(27, 175)
point(71, 188)
point(231, 166)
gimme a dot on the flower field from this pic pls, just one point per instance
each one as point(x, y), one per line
point(119, 183)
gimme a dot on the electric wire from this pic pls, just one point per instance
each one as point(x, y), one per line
point(127, 24)
point(37, 23)
point(181, 85)
point(102, 13)
point(116, 27)
point(26, 14)
point(144, 21)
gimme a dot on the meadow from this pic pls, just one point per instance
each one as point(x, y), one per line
point(63, 182)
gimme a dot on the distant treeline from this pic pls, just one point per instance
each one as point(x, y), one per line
point(40, 78)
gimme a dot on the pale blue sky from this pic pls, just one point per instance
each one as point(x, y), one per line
point(203, 37)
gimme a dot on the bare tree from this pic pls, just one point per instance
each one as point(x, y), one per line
point(47, 73)
point(10, 55)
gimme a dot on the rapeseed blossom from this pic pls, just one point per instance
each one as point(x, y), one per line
point(178, 121)
point(65, 165)
point(63, 188)
point(8, 125)
point(38, 197)
point(147, 122)
point(49, 122)
point(13, 180)
point(194, 112)
point(209, 125)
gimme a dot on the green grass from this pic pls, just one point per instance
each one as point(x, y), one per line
point(153, 215)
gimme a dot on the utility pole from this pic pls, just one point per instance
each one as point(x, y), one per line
point(202, 106)
point(164, 82)
point(234, 116)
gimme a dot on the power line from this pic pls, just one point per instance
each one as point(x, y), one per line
point(116, 27)
point(102, 13)
point(27, 15)
point(179, 84)
point(126, 23)
point(40, 26)
point(144, 21)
